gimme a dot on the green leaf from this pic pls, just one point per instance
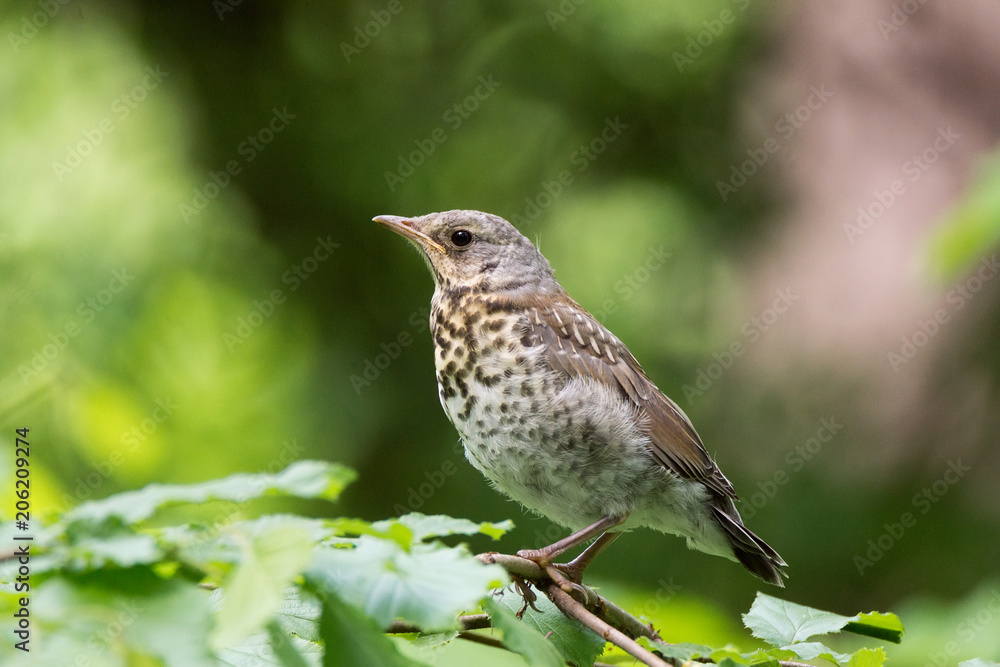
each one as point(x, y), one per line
point(728, 656)
point(317, 529)
point(769, 656)
point(780, 623)
point(867, 657)
point(124, 548)
point(296, 622)
point(682, 651)
point(299, 614)
point(877, 625)
point(729, 662)
point(429, 584)
point(346, 526)
point(209, 547)
point(302, 479)
point(522, 638)
point(392, 530)
point(759, 658)
point(351, 638)
point(288, 655)
point(123, 613)
point(254, 590)
point(423, 526)
point(417, 527)
point(574, 641)
point(814, 650)
point(79, 551)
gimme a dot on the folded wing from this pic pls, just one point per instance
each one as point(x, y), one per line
point(578, 345)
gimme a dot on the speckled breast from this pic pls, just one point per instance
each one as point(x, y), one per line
point(492, 386)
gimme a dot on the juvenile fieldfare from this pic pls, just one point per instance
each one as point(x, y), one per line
point(555, 411)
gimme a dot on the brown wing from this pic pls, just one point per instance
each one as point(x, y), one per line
point(579, 346)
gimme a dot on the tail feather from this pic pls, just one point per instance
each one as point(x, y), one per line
point(755, 554)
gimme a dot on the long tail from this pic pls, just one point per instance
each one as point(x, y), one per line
point(753, 552)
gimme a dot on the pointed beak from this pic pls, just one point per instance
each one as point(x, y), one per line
point(405, 227)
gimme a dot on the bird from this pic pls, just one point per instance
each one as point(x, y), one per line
point(555, 411)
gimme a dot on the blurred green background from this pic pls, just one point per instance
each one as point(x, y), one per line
point(788, 212)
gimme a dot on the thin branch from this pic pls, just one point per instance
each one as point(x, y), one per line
point(606, 619)
point(626, 622)
point(470, 622)
point(609, 611)
point(522, 567)
point(476, 621)
point(573, 609)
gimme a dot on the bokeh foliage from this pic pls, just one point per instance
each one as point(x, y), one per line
point(122, 316)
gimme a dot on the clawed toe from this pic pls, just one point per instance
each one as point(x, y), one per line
point(523, 589)
point(569, 584)
point(574, 574)
point(534, 555)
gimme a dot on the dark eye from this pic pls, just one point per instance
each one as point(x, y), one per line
point(461, 238)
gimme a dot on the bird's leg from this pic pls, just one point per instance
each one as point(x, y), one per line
point(545, 555)
point(574, 569)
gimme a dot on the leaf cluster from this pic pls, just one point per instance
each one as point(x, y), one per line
point(110, 586)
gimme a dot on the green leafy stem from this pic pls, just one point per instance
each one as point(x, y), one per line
point(232, 588)
point(784, 625)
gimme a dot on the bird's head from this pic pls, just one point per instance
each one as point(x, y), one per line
point(473, 249)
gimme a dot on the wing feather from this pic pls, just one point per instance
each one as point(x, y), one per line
point(577, 345)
